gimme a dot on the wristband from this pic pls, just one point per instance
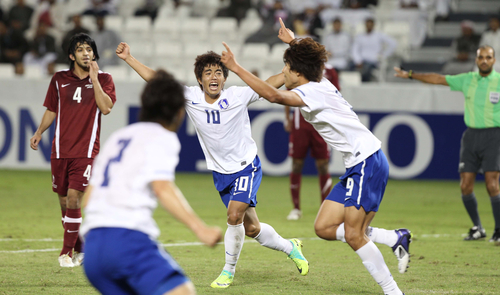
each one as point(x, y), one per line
point(410, 73)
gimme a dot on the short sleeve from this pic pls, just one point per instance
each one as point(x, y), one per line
point(108, 86)
point(312, 98)
point(162, 157)
point(246, 94)
point(456, 82)
point(51, 98)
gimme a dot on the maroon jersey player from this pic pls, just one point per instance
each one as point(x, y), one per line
point(303, 137)
point(76, 98)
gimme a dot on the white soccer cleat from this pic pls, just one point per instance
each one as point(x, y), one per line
point(402, 248)
point(65, 261)
point(78, 258)
point(295, 214)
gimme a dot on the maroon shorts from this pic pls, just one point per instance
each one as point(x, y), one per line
point(305, 138)
point(70, 174)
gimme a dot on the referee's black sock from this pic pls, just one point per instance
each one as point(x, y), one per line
point(470, 204)
point(495, 205)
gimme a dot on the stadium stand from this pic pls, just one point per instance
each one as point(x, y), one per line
point(180, 32)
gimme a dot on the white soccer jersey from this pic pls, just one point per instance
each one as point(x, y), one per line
point(223, 127)
point(131, 159)
point(332, 116)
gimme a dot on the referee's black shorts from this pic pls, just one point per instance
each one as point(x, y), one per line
point(480, 150)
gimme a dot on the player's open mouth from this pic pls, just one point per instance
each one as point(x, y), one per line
point(213, 86)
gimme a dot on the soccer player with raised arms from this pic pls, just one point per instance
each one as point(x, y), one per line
point(134, 171)
point(480, 146)
point(352, 204)
point(222, 124)
point(76, 98)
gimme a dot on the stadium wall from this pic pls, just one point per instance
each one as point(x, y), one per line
point(420, 127)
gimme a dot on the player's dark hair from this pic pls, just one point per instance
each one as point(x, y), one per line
point(306, 57)
point(81, 38)
point(161, 99)
point(487, 47)
point(208, 59)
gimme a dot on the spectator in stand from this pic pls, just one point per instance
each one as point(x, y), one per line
point(442, 10)
point(107, 41)
point(150, 8)
point(311, 21)
point(468, 42)
point(465, 47)
point(237, 9)
point(338, 44)
point(52, 13)
point(42, 51)
point(13, 46)
point(270, 15)
point(100, 7)
point(492, 38)
point(369, 47)
point(22, 13)
point(77, 28)
point(355, 4)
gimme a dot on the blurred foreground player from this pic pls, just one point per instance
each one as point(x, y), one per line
point(75, 99)
point(352, 204)
point(303, 137)
point(134, 171)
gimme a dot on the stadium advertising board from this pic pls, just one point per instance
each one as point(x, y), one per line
point(421, 140)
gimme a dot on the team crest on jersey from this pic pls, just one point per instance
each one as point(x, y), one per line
point(494, 97)
point(89, 86)
point(223, 104)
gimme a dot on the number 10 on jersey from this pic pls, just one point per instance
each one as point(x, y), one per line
point(215, 116)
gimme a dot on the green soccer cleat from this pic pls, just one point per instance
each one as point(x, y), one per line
point(297, 257)
point(223, 281)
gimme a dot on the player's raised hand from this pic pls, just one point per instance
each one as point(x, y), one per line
point(209, 236)
point(35, 140)
point(93, 70)
point(286, 35)
point(228, 58)
point(123, 50)
point(400, 73)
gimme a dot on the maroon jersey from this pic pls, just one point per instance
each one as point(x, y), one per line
point(78, 119)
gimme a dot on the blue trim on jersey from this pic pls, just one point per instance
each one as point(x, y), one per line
point(363, 185)
point(241, 186)
point(123, 261)
point(300, 92)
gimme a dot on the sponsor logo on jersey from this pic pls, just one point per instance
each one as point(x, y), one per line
point(243, 163)
point(195, 102)
point(89, 86)
point(64, 85)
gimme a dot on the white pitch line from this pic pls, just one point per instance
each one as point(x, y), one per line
point(182, 244)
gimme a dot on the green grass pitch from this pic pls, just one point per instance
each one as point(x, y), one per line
point(441, 262)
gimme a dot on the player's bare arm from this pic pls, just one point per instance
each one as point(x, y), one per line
point(173, 201)
point(264, 89)
point(123, 52)
point(430, 78)
point(286, 35)
point(47, 119)
point(102, 99)
point(276, 80)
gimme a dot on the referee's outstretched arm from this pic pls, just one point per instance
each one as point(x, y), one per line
point(431, 78)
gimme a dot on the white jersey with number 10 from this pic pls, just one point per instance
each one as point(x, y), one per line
point(223, 127)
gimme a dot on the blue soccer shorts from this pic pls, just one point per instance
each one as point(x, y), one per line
point(123, 261)
point(363, 185)
point(241, 186)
